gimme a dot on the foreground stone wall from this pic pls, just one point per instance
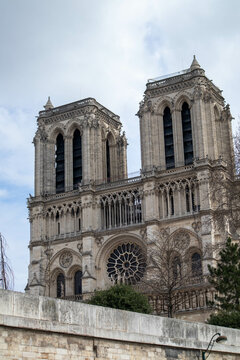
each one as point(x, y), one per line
point(45, 328)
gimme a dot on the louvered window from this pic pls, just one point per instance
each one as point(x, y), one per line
point(168, 139)
point(59, 164)
point(187, 134)
point(77, 158)
point(108, 161)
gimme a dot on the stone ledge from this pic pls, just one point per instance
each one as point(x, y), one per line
point(25, 311)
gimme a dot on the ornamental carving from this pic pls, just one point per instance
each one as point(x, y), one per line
point(181, 240)
point(66, 259)
point(126, 264)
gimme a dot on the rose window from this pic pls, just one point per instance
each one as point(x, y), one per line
point(126, 264)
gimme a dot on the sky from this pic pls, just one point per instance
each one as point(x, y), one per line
point(105, 49)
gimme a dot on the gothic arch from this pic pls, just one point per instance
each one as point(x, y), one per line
point(60, 252)
point(193, 238)
point(71, 127)
point(182, 97)
point(72, 270)
point(55, 130)
point(166, 102)
point(111, 138)
point(114, 241)
point(55, 272)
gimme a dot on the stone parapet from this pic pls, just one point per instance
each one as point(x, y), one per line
point(27, 312)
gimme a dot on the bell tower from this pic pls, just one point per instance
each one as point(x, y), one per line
point(77, 147)
point(183, 118)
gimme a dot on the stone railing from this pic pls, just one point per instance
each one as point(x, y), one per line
point(63, 236)
point(73, 297)
point(119, 183)
point(184, 300)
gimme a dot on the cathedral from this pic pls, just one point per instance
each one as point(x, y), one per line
point(92, 226)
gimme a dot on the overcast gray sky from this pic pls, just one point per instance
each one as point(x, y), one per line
point(106, 49)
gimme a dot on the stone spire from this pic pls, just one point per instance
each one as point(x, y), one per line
point(195, 65)
point(48, 105)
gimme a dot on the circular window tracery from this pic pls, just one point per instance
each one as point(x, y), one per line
point(126, 264)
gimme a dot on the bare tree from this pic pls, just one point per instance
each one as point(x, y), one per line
point(225, 192)
point(169, 271)
point(6, 273)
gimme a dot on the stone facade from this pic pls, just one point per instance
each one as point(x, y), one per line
point(185, 130)
point(44, 328)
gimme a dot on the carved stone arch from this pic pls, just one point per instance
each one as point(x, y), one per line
point(192, 235)
point(55, 130)
point(60, 252)
point(72, 127)
point(115, 240)
point(180, 98)
point(73, 269)
point(55, 272)
point(193, 249)
point(167, 101)
point(111, 138)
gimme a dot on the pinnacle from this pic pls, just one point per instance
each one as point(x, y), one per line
point(195, 65)
point(48, 105)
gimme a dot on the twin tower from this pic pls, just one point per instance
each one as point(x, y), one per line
point(91, 225)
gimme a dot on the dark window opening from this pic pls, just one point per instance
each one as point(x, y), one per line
point(78, 283)
point(196, 264)
point(168, 139)
point(108, 161)
point(59, 230)
point(59, 164)
point(60, 286)
point(187, 134)
point(79, 224)
point(77, 158)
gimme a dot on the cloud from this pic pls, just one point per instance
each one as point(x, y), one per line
point(16, 160)
point(104, 49)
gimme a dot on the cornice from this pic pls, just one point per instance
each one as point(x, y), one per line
point(86, 107)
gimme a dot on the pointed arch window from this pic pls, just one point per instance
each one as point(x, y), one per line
point(168, 139)
point(187, 134)
point(196, 265)
point(59, 164)
point(78, 283)
point(60, 286)
point(77, 158)
point(108, 161)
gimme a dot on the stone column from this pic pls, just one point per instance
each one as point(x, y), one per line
point(67, 159)
point(178, 138)
point(86, 155)
point(161, 144)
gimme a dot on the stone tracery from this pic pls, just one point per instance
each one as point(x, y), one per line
point(121, 208)
point(126, 264)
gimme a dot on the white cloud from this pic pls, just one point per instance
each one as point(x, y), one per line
point(16, 160)
point(104, 49)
